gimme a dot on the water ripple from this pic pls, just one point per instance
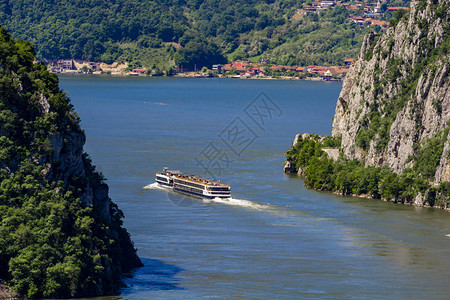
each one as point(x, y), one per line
point(155, 275)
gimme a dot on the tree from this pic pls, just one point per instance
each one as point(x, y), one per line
point(51, 243)
point(198, 54)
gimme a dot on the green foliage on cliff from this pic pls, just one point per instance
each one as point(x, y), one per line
point(403, 75)
point(141, 31)
point(51, 243)
point(352, 177)
point(428, 155)
point(397, 16)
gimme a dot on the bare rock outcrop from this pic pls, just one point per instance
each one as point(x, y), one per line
point(396, 95)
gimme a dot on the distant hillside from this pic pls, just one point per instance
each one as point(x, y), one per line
point(162, 33)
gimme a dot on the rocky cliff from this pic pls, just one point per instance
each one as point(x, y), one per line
point(396, 97)
point(60, 233)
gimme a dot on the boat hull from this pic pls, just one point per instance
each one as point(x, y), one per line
point(192, 185)
point(166, 185)
point(192, 193)
point(189, 193)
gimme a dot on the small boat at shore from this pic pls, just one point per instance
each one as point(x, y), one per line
point(192, 184)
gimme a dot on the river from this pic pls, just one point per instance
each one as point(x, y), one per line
point(274, 238)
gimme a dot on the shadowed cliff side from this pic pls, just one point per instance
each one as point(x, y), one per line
point(60, 233)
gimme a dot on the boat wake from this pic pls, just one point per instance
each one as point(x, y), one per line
point(245, 204)
point(234, 202)
point(154, 186)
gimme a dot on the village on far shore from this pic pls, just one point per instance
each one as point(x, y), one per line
point(369, 16)
point(237, 69)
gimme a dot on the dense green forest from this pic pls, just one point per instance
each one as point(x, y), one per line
point(352, 177)
point(185, 32)
point(60, 234)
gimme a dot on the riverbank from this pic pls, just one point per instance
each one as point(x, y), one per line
point(237, 69)
point(311, 78)
point(199, 75)
point(320, 161)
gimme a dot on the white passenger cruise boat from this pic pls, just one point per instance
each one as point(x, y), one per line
point(193, 185)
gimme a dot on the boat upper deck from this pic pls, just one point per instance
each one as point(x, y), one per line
point(200, 180)
point(194, 178)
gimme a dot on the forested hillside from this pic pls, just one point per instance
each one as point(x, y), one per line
point(60, 233)
point(185, 32)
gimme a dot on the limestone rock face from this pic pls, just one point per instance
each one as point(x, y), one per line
point(382, 81)
point(289, 167)
point(66, 160)
point(443, 169)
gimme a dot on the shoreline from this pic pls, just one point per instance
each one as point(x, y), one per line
point(238, 69)
point(364, 196)
point(198, 76)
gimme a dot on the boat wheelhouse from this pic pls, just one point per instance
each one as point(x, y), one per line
point(192, 184)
